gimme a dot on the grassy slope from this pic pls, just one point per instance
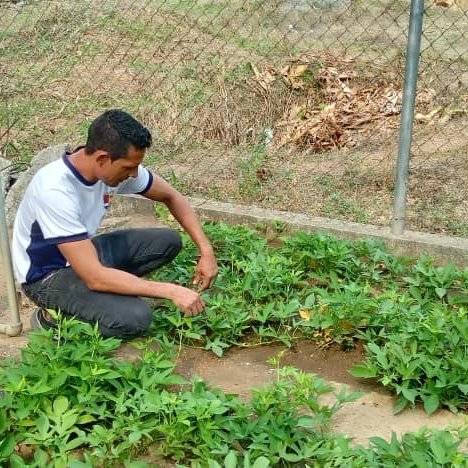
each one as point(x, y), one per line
point(184, 68)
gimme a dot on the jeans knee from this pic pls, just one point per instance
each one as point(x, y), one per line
point(174, 243)
point(133, 323)
point(139, 319)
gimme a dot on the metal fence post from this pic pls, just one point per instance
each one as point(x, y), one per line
point(407, 115)
point(15, 327)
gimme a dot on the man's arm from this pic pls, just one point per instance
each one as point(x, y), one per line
point(180, 208)
point(83, 258)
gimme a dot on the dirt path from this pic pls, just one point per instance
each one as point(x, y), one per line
point(241, 369)
point(372, 415)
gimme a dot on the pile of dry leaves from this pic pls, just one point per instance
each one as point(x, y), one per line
point(332, 102)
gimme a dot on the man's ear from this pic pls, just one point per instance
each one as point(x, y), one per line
point(102, 157)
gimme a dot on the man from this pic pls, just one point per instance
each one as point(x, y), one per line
point(59, 263)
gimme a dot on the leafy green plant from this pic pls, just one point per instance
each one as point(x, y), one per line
point(68, 393)
point(338, 315)
point(420, 352)
point(333, 291)
point(7, 441)
point(428, 282)
point(434, 448)
point(74, 405)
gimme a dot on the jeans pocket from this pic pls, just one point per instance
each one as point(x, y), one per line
point(39, 291)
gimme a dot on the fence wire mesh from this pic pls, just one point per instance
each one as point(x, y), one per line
point(291, 104)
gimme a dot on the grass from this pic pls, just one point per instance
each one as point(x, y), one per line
point(251, 170)
point(185, 68)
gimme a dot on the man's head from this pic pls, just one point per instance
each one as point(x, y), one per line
point(118, 143)
point(114, 132)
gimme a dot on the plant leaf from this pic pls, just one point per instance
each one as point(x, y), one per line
point(261, 462)
point(43, 425)
point(400, 404)
point(431, 403)
point(305, 314)
point(213, 464)
point(409, 393)
point(362, 370)
point(60, 405)
point(231, 460)
point(136, 464)
point(7, 445)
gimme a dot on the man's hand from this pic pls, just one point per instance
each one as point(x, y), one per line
point(188, 301)
point(178, 205)
point(206, 271)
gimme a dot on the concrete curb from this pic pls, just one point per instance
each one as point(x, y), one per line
point(412, 244)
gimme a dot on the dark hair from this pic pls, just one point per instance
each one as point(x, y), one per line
point(114, 132)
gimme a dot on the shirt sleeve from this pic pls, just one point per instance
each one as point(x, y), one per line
point(59, 218)
point(139, 184)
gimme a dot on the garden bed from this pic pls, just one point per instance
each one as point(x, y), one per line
point(314, 303)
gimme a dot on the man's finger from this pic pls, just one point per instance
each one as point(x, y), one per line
point(201, 305)
point(205, 283)
point(196, 278)
point(212, 281)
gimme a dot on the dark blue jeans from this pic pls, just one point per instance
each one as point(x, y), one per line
point(136, 251)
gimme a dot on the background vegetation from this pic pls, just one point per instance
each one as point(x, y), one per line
point(286, 104)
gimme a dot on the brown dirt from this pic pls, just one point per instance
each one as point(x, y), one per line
point(372, 415)
point(241, 369)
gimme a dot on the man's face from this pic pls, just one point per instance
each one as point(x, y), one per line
point(112, 173)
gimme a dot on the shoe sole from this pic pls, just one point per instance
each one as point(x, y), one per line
point(39, 322)
point(34, 320)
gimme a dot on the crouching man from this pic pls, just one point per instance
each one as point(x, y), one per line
point(62, 265)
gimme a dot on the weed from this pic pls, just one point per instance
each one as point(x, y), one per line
point(250, 184)
point(339, 205)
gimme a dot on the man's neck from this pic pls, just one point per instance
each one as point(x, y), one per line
point(84, 164)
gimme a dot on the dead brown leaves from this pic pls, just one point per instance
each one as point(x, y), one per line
point(334, 101)
point(460, 4)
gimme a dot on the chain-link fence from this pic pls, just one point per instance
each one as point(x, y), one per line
point(285, 104)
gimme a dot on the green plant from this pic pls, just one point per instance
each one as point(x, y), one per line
point(333, 291)
point(250, 183)
point(72, 394)
point(69, 393)
point(420, 352)
point(425, 448)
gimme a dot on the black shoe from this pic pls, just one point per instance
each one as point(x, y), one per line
point(40, 322)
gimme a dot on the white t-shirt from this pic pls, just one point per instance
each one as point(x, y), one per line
point(59, 206)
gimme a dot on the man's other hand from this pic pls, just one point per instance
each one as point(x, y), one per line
point(206, 271)
point(188, 301)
